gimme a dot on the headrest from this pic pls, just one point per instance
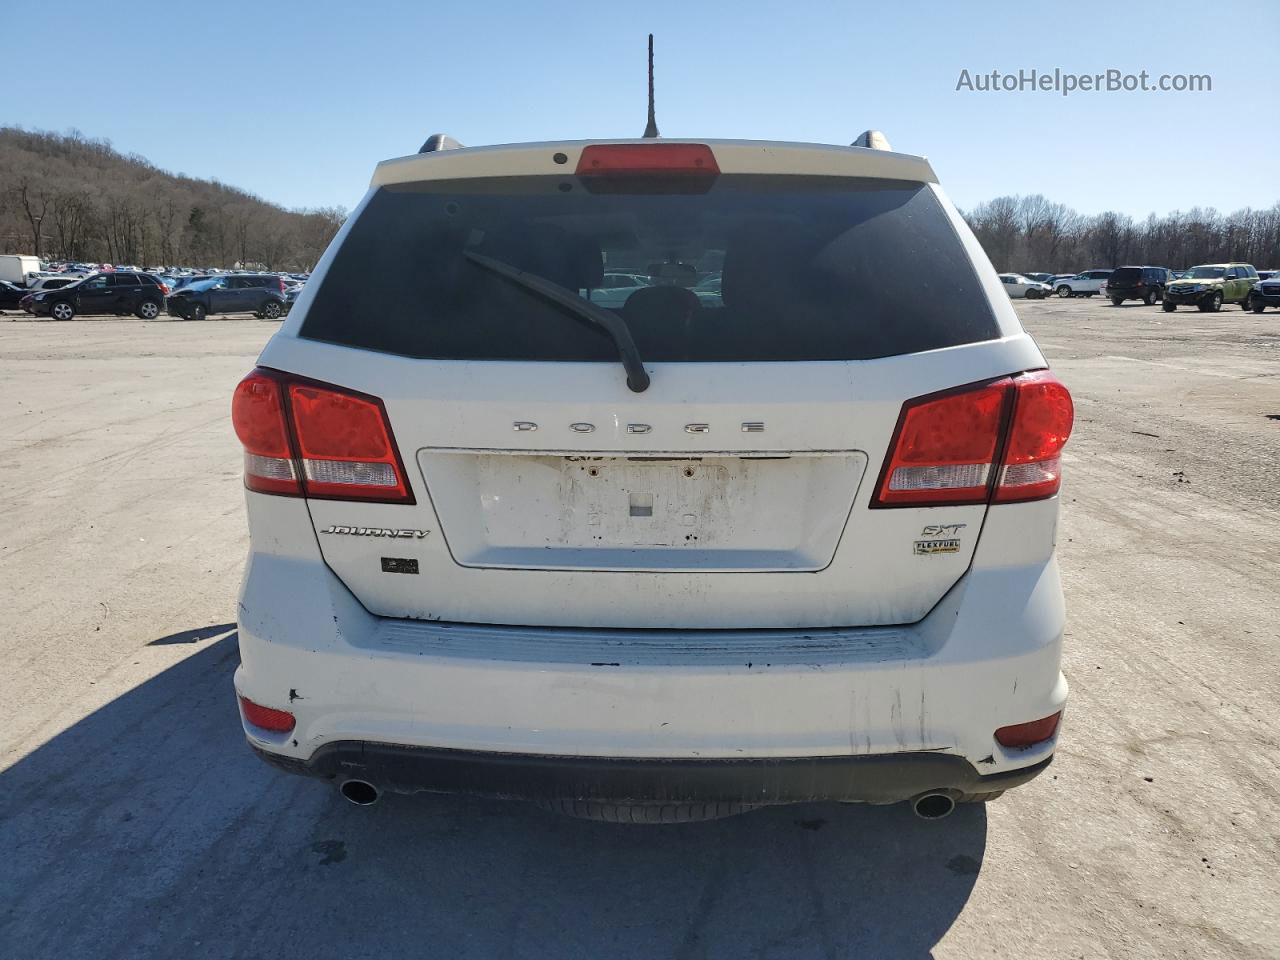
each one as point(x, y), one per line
point(668, 302)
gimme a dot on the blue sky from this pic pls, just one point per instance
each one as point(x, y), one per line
point(297, 101)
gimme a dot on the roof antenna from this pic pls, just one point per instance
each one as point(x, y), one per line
point(651, 129)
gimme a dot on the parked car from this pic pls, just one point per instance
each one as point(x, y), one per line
point(11, 295)
point(121, 293)
point(1082, 284)
point(1266, 293)
point(1016, 285)
point(259, 294)
point(54, 282)
point(1137, 283)
point(564, 559)
point(616, 288)
point(709, 291)
point(1210, 285)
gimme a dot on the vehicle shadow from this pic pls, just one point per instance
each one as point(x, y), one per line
point(148, 829)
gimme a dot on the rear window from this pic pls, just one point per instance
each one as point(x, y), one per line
point(1127, 275)
point(753, 268)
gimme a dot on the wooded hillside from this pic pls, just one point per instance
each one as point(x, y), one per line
point(73, 198)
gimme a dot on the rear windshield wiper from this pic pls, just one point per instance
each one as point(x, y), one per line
point(615, 326)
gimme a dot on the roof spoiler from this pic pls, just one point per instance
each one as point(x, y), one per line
point(872, 140)
point(439, 141)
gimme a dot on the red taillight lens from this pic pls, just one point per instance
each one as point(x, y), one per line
point(164, 289)
point(1028, 734)
point(345, 445)
point(639, 159)
point(257, 412)
point(945, 448)
point(280, 283)
point(266, 718)
point(1042, 419)
point(316, 440)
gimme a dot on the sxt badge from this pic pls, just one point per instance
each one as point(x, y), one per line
point(942, 539)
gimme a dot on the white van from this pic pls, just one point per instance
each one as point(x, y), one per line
point(663, 559)
point(14, 268)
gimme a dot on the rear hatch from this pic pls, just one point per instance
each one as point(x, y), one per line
point(1125, 280)
point(783, 319)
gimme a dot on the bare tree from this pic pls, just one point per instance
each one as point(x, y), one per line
point(35, 199)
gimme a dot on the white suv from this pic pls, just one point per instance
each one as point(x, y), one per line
point(1082, 284)
point(674, 559)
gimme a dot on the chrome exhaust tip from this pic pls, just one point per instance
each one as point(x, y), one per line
point(933, 806)
point(360, 792)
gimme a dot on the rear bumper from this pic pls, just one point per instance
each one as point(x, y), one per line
point(887, 778)
point(840, 713)
point(1187, 299)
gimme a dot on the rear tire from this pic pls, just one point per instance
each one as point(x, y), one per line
point(1117, 301)
point(642, 813)
point(1246, 303)
point(1169, 307)
point(270, 311)
point(147, 310)
point(1149, 298)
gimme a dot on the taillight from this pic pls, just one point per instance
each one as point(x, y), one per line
point(164, 289)
point(1042, 419)
point(344, 442)
point(640, 159)
point(303, 438)
point(280, 283)
point(1028, 734)
point(257, 413)
point(998, 441)
point(266, 718)
point(945, 447)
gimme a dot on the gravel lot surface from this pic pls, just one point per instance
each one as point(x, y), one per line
point(135, 823)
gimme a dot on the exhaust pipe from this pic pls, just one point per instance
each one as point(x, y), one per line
point(933, 806)
point(360, 792)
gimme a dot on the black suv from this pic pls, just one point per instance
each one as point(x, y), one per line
point(120, 293)
point(259, 294)
point(1138, 283)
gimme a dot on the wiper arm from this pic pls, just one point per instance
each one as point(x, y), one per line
point(615, 326)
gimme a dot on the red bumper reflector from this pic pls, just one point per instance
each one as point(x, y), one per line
point(266, 718)
point(1028, 734)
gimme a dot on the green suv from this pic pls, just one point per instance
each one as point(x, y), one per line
point(1211, 285)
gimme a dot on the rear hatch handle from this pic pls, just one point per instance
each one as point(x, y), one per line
point(615, 326)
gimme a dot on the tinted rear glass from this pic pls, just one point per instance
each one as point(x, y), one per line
point(754, 268)
point(1127, 275)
